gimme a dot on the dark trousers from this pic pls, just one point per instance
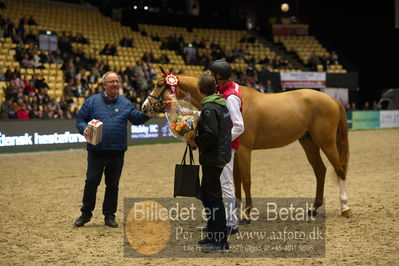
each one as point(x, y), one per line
point(98, 162)
point(212, 199)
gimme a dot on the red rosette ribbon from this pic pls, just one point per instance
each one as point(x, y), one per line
point(172, 81)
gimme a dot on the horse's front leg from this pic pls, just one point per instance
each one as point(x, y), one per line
point(244, 159)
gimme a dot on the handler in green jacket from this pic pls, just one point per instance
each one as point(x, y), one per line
point(214, 143)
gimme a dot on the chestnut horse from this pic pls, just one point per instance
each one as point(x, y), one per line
point(314, 118)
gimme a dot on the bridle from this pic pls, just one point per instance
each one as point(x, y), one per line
point(160, 105)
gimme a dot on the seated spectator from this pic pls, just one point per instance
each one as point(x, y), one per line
point(155, 38)
point(347, 107)
point(93, 76)
point(8, 73)
point(164, 59)
point(334, 57)
point(64, 43)
point(26, 63)
point(17, 37)
point(193, 60)
point(17, 71)
point(7, 110)
point(78, 89)
point(81, 39)
point(251, 70)
point(22, 113)
point(201, 44)
point(268, 86)
point(30, 38)
point(218, 54)
point(49, 111)
point(43, 57)
point(366, 106)
point(16, 82)
point(313, 61)
point(31, 21)
point(148, 57)
point(40, 82)
point(2, 31)
point(113, 49)
point(43, 97)
point(376, 106)
point(68, 115)
point(30, 88)
point(2, 76)
point(57, 55)
point(59, 114)
point(214, 46)
point(106, 50)
point(126, 42)
point(353, 107)
point(36, 62)
point(68, 93)
point(35, 112)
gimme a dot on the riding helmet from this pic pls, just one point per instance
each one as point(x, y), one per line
point(222, 68)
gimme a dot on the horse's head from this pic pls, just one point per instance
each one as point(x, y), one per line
point(160, 96)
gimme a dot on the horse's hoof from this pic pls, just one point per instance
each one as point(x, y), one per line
point(347, 213)
point(312, 213)
point(245, 221)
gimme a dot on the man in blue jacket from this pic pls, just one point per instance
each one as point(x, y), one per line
point(107, 156)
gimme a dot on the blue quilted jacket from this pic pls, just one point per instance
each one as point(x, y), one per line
point(114, 115)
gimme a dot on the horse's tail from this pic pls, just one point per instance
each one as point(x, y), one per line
point(342, 139)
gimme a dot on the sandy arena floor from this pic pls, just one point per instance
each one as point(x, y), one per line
point(40, 197)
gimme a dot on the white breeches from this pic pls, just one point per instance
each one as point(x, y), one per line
point(229, 198)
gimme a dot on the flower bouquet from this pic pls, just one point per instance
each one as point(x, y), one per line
point(183, 120)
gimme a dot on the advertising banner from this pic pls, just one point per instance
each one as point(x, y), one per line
point(389, 119)
point(365, 120)
point(340, 94)
point(303, 80)
point(36, 135)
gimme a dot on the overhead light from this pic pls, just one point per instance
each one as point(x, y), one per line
point(135, 7)
point(285, 7)
point(145, 7)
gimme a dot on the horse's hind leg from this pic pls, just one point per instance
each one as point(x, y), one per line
point(244, 158)
point(313, 154)
point(328, 145)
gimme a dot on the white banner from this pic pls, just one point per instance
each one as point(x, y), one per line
point(303, 79)
point(338, 93)
point(389, 119)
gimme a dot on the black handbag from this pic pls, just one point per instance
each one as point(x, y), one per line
point(187, 183)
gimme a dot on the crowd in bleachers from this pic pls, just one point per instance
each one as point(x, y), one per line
point(27, 96)
point(316, 60)
point(80, 61)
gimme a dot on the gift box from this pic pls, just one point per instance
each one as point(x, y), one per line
point(95, 132)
